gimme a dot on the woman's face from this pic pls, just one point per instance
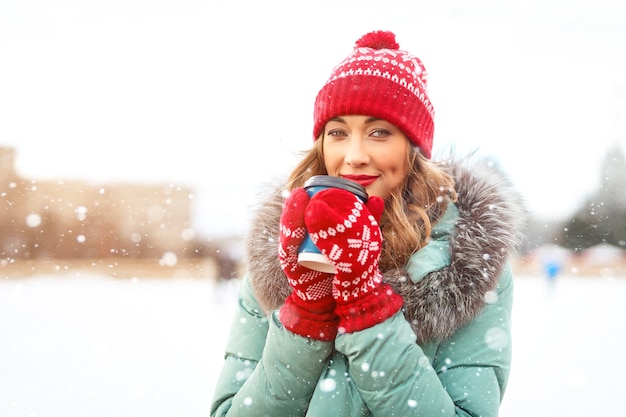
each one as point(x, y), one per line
point(367, 150)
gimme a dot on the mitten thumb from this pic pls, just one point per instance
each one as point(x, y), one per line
point(292, 216)
point(376, 206)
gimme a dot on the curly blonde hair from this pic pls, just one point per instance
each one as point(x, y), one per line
point(410, 211)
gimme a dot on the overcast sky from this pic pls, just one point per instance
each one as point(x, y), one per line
point(218, 96)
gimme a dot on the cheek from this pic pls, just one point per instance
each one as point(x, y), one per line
point(399, 171)
point(331, 161)
point(395, 164)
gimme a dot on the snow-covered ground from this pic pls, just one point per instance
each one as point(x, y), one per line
point(97, 346)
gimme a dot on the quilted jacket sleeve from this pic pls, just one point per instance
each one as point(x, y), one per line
point(266, 367)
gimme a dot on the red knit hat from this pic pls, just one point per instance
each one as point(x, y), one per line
point(380, 80)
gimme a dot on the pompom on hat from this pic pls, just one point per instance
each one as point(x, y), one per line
point(380, 80)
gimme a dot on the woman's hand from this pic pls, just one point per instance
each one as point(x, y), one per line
point(308, 311)
point(346, 230)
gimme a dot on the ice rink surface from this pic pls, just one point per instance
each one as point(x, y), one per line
point(99, 346)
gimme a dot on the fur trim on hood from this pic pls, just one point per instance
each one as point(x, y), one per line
point(491, 221)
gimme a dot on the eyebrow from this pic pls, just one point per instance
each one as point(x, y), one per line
point(341, 120)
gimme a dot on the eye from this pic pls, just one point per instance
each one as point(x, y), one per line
point(336, 133)
point(380, 133)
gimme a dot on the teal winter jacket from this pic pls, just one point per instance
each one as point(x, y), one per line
point(446, 353)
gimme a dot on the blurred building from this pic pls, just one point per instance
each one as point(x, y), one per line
point(78, 219)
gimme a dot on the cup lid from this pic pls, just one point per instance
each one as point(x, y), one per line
point(337, 182)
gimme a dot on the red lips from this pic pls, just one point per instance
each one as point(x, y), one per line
point(363, 180)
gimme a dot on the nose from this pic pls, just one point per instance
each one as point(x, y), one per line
point(356, 153)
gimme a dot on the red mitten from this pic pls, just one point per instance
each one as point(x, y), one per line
point(308, 311)
point(347, 232)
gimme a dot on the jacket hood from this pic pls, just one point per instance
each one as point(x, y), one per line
point(490, 226)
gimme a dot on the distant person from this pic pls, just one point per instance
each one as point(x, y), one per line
point(552, 268)
point(416, 318)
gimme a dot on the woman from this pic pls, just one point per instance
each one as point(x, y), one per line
point(416, 318)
